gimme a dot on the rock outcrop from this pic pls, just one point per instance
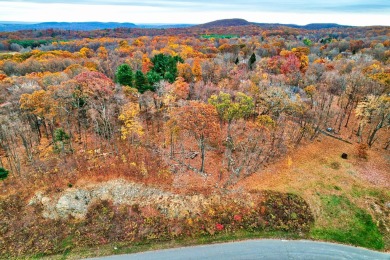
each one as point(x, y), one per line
point(75, 201)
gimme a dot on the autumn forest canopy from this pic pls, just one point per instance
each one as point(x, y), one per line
point(148, 105)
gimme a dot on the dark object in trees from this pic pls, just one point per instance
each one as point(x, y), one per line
point(344, 156)
point(3, 173)
point(193, 155)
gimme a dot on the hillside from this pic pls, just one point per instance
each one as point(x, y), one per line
point(334, 188)
point(312, 26)
point(128, 139)
point(242, 22)
point(224, 23)
point(318, 26)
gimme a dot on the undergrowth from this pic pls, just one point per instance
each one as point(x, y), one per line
point(107, 224)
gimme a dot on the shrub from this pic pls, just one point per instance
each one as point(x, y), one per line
point(362, 151)
point(3, 173)
point(335, 165)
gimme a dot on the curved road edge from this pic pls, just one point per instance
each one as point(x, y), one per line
point(259, 249)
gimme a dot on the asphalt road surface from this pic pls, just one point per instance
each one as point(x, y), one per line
point(260, 249)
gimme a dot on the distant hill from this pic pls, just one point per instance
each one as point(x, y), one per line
point(317, 26)
point(79, 26)
point(311, 26)
point(82, 26)
point(224, 23)
point(242, 22)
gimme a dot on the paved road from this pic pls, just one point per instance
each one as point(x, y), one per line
point(260, 249)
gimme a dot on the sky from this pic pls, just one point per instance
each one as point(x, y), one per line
point(347, 12)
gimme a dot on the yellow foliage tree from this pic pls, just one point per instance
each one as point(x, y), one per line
point(38, 103)
point(102, 53)
point(374, 112)
point(310, 91)
point(131, 124)
point(301, 53)
point(86, 52)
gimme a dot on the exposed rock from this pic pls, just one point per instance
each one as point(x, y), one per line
point(75, 202)
point(36, 199)
point(47, 204)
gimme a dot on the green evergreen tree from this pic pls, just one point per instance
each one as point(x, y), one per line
point(61, 139)
point(124, 75)
point(165, 66)
point(307, 42)
point(152, 78)
point(3, 174)
point(140, 82)
point(170, 77)
point(252, 60)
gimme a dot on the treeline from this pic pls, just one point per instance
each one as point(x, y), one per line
point(31, 37)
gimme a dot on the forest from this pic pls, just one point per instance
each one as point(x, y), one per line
point(128, 135)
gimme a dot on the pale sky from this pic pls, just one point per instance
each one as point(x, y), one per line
point(348, 12)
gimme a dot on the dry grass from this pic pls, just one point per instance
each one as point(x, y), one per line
point(317, 171)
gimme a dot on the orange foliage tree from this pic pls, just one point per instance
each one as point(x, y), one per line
point(201, 121)
point(184, 71)
point(197, 70)
point(181, 89)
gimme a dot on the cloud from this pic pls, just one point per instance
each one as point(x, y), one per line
point(340, 6)
point(357, 12)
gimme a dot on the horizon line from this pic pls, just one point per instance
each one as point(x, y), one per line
point(182, 23)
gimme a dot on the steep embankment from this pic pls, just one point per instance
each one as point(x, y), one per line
point(124, 212)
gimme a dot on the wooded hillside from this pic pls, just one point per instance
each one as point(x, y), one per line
point(158, 106)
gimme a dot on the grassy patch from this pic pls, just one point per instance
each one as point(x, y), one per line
point(219, 36)
point(130, 248)
point(356, 227)
point(361, 192)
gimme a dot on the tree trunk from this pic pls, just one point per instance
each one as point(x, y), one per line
point(202, 150)
point(387, 145)
point(360, 132)
point(371, 138)
point(172, 152)
point(229, 146)
point(349, 114)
